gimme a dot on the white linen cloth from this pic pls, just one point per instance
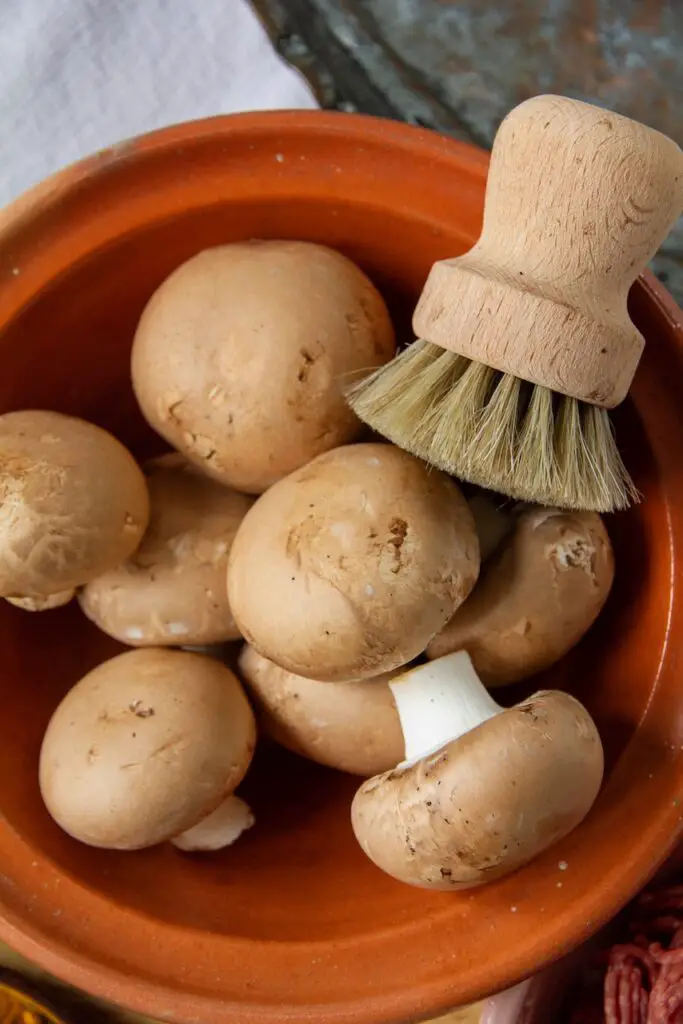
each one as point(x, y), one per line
point(78, 75)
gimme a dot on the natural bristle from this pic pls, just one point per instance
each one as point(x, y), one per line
point(495, 430)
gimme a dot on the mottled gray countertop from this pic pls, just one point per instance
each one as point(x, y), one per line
point(458, 66)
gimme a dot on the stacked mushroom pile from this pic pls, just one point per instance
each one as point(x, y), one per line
point(350, 568)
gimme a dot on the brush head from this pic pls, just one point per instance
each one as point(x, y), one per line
point(496, 430)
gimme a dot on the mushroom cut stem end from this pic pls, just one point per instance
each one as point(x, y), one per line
point(222, 828)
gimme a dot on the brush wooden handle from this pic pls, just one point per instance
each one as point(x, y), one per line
point(578, 200)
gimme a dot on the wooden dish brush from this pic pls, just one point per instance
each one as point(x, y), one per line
point(525, 341)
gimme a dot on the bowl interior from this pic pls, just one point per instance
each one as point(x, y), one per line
point(294, 920)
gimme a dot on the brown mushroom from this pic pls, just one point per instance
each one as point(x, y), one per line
point(145, 747)
point(349, 566)
point(172, 590)
point(43, 604)
point(483, 789)
point(73, 503)
point(241, 356)
point(353, 727)
point(536, 596)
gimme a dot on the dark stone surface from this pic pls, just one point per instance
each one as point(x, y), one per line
point(459, 65)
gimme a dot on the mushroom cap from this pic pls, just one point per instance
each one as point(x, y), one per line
point(73, 503)
point(353, 727)
point(241, 355)
point(349, 566)
point(536, 596)
point(172, 590)
point(43, 604)
point(486, 803)
point(144, 747)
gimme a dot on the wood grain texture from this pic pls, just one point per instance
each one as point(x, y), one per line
point(578, 200)
point(458, 66)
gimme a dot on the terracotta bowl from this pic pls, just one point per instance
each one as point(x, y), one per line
point(293, 924)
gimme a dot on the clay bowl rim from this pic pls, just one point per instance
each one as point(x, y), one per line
point(428, 997)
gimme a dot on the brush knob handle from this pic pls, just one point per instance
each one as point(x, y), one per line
point(578, 200)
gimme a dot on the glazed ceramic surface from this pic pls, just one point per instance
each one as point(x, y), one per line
point(293, 924)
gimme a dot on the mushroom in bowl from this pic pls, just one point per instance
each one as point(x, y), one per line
point(146, 747)
point(172, 590)
point(73, 503)
point(483, 789)
point(351, 726)
point(300, 316)
point(543, 587)
point(348, 567)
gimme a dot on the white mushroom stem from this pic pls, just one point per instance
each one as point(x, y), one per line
point(222, 828)
point(439, 702)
